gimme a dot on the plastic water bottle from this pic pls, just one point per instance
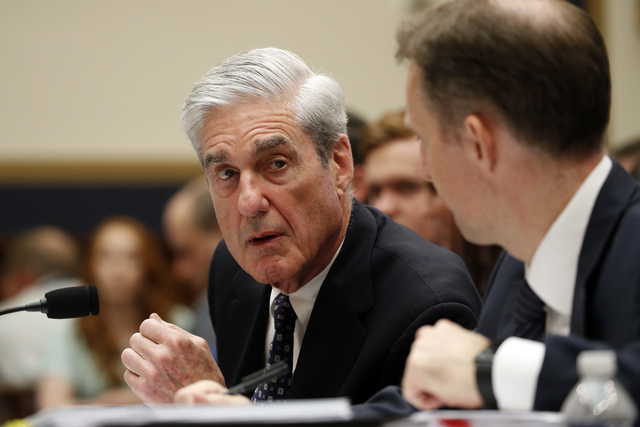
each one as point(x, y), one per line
point(598, 397)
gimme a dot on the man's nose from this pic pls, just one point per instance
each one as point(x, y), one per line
point(251, 199)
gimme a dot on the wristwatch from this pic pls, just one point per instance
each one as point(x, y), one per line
point(484, 364)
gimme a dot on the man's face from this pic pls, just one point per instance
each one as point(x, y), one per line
point(396, 186)
point(278, 208)
point(192, 248)
point(444, 160)
point(118, 264)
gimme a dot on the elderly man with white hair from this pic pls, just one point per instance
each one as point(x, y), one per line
point(305, 274)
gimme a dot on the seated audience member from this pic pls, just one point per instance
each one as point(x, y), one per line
point(125, 262)
point(396, 185)
point(512, 130)
point(628, 155)
point(356, 126)
point(192, 232)
point(36, 261)
point(305, 274)
point(35, 258)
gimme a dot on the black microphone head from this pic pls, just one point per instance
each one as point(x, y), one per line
point(74, 301)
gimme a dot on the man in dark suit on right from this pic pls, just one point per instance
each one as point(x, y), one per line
point(511, 101)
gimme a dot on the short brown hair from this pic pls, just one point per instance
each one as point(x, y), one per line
point(546, 76)
point(42, 251)
point(389, 127)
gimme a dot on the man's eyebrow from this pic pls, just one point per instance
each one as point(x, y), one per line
point(270, 143)
point(215, 158)
point(260, 145)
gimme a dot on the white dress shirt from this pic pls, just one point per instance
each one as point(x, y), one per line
point(302, 302)
point(552, 276)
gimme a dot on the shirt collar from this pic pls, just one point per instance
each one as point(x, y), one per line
point(304, 298)
point(554, 265)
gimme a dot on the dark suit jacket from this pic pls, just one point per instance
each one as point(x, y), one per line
point(606, 304)
point(385, 283)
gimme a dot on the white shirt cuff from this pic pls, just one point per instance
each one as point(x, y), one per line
point(516, 366)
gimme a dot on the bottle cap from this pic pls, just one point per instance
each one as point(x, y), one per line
point(600, 363)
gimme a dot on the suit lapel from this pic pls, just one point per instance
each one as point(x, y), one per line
point(336, 333)
point(607, 211)
point(249, 312)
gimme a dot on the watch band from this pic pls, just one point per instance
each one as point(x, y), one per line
point(484, 364)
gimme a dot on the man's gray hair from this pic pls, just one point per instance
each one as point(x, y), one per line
point(317, 100)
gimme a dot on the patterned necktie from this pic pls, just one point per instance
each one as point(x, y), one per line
point(281, 349)
point(529, 314)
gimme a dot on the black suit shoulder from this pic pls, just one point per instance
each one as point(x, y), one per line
point(429, 281)
point(223, 267)
point(391, 282)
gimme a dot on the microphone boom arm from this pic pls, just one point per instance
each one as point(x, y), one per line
point(36, 306)
point(64, 303)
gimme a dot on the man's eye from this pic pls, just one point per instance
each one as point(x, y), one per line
point(226, 174)
point(406, 187)
point(279, 164)
point(374, 192)
point(431, 188)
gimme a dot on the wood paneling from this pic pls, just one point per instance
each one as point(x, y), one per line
point(97, 172)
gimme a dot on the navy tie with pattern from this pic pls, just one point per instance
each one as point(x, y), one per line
point(281, 349)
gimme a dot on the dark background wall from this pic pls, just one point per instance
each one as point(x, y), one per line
point(78, 209)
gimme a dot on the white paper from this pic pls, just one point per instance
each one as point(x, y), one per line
point(312, 410)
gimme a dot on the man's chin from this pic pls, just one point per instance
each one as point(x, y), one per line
point(272, 273)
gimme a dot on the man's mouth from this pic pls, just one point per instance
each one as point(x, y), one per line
point(263, 238)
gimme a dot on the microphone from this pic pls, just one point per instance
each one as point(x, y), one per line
point(64, 303)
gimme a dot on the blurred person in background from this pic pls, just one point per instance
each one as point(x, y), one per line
point(395, 184)
point(36, 257)
point(628, 155)
point(126, 264)
point(356, 126)
point(192, 231)
point(36, 261)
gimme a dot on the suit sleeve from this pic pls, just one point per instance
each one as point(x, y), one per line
point(559, 370)
point(456, 312)
point(385, 404)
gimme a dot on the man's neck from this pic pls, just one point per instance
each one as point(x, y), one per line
point(549, 186)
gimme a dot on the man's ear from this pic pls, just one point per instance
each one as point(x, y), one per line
point(342, 164)
point(480, 141)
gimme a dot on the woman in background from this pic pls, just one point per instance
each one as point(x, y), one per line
point(126, 264)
